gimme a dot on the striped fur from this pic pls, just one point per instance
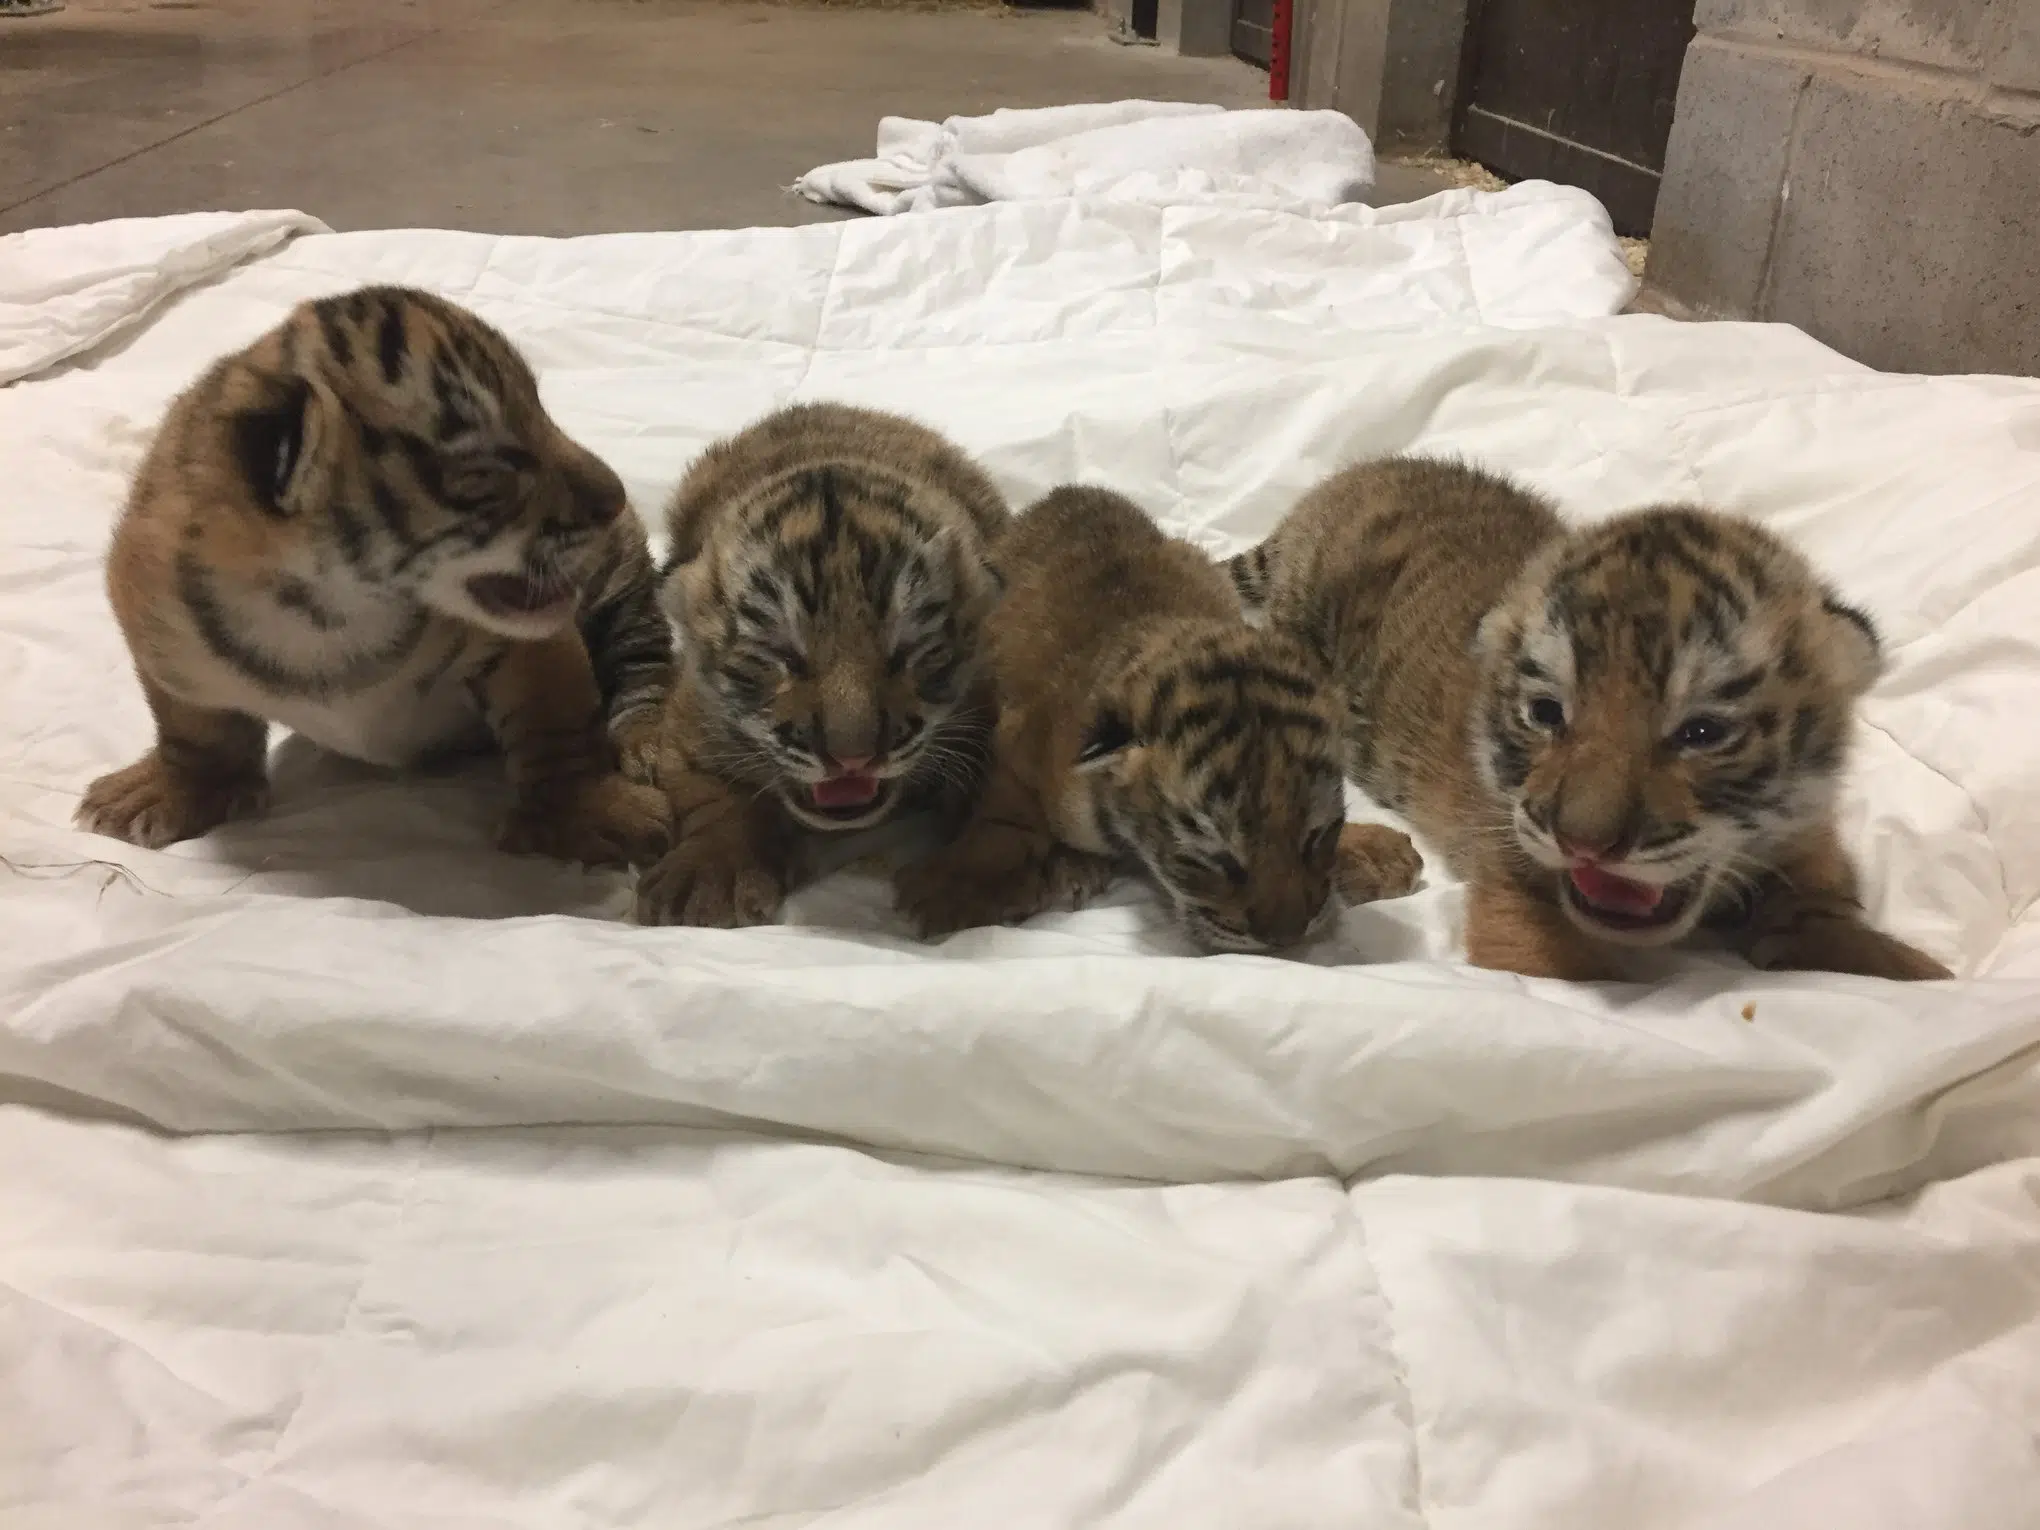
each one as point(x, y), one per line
point(365, 526)
point(1251, 573)
point(1652, 712)
point(830, 574)
point(1143, 723)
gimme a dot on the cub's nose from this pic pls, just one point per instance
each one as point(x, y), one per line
point(597, 492)
point(1598, 847)
point(1282, 919)
point(1592, 822)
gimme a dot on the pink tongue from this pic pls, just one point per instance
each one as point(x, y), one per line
point(1605, 890)
point(845, 791)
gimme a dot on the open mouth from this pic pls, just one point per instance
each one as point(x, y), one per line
point(852, 798)
point(1621, 905)
point(513, 597)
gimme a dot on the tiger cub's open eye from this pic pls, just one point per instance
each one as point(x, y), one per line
point(1702, 732)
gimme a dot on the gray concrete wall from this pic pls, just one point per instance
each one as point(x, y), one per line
point(1868, 170)
point(1390, 65)
point(1194, 28)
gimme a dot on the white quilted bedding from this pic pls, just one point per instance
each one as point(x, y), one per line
point(1046, 1227)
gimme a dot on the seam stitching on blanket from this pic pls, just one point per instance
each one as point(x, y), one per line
point(1675, 425)
point(582, 310)
point(1419, 1493)
point(1982, 822)
point(368, 1268)
point(1155, 287)
point(821, 318)
point(1466, 265)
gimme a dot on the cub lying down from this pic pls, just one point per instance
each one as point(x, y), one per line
point(1615, 732)
point(1141, 720)
point(828, 575)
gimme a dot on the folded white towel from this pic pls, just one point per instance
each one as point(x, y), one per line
point(1129, 151)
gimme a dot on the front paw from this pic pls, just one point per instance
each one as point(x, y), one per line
point(636, 739)
point(709, 886)
point(1844, 945)
point(146, 804)
point(1376, 862)
point(955, 889)
point(1073, 878)
point(599, 821)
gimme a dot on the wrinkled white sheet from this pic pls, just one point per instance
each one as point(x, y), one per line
point(1365, 1238)
point(1160, 152)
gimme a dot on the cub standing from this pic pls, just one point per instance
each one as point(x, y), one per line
point(829, 575)
point(366, 527)
point(1614, 732)
point(1141, 719)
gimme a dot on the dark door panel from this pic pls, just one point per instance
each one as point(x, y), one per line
point(1579, 91)
point(1253, 30)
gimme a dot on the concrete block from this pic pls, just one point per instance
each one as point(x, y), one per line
point(1420, 78)
point(1363, 61)
point(1910, 232)
point(1947, 34)
point(1724, 172)
point(1194, 28)
point(1314, 54)
point(1390, 65)
point(2013, 47)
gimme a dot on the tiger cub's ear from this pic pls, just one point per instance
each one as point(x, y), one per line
point(1851, 639)
point(277, 442)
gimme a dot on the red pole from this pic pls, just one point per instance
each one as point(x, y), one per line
point(1278, 53)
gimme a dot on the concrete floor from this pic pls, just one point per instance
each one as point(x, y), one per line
point(524, 116)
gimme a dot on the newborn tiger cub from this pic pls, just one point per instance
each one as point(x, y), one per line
point(1614, 732)
point(366, 527)
point(829, 577)
point(1141, 720)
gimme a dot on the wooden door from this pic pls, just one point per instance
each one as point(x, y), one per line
point(1253, 30)
point(1579, 91)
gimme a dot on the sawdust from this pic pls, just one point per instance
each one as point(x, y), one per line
point(1458, 174)
point(1635, 253)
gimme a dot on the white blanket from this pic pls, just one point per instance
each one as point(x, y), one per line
point(1055, 1226)
point(1157, 152)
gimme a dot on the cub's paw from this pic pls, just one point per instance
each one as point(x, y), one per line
point(636, 740)
point(149, 805)
point(1073, 878)
point(960, 889)
point(1376, 862)
point(1844, 945)
point(597, 821)
point(710, 886)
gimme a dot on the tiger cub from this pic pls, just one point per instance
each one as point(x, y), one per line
point(829, 577)
point(366, 527)
point(1142, 721)
point(1614, 732)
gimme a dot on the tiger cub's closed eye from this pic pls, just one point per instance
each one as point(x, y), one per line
point(479, 481)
